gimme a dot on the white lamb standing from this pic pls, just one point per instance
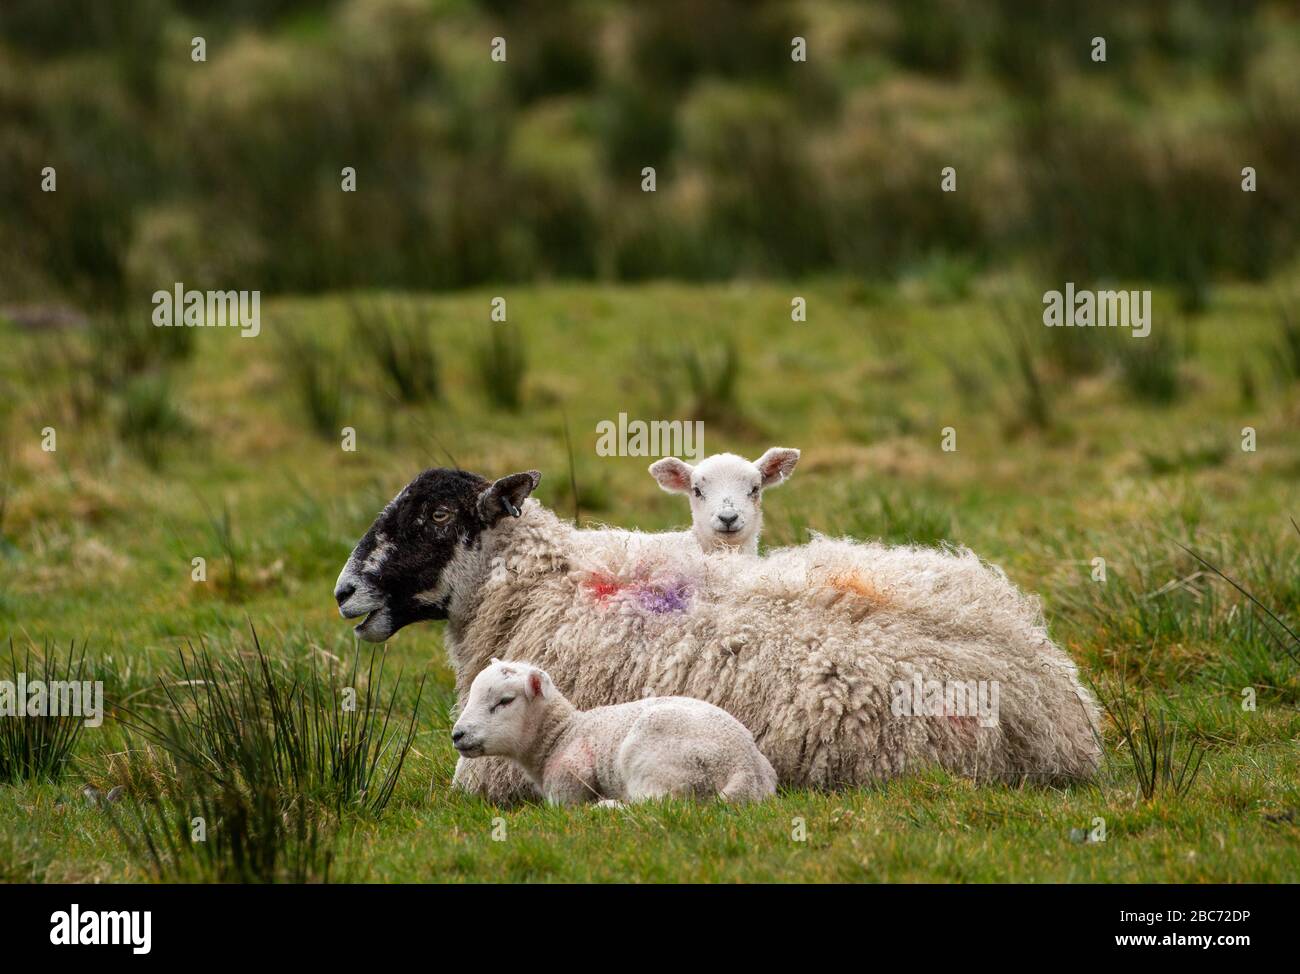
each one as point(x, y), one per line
point(849, 662)
point(726, 494)
point(658, 747)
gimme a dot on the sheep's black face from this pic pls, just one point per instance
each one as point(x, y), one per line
point(399, 571)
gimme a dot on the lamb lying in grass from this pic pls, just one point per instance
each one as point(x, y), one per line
point(657, 747)
point(726, 493)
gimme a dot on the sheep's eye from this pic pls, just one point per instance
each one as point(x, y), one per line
point(441, 516)
point(754, 492)
point(698, 492)
point(504, 701)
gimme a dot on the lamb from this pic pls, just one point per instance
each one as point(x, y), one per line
point(726, 493)
point(659, 747)
point(848, 662)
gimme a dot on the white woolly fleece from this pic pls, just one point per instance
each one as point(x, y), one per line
point(805, 646)
point(658, 747)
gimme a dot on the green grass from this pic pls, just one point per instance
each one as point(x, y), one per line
point(502, 366)
point(399, 339)
point(98, 546)
point(312, 732)
point(38, 747)
point(256, 836)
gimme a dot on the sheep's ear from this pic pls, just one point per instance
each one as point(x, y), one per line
point(776, 465)
point(673, 475)
point(506, 496)
point(538, 684)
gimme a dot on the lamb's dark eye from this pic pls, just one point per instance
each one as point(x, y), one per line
point(441, 516)
point(504, 701)
point(754, 492)
point(698, 492)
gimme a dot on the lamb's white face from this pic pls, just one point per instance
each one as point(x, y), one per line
point(503, 711)
point(726, 494)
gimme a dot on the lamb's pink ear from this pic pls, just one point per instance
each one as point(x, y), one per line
point(507, 496)
point(673, 475)
point(537, 684)
point(776, 465)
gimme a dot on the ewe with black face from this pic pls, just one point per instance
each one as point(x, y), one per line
point(849, 662)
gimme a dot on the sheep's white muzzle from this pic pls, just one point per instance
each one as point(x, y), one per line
point(375, 627)
point(357, 598)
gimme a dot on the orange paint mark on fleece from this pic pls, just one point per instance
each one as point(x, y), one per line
point(853, 583)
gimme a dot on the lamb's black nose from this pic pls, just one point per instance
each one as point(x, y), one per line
point(456, 735)
point(728, 519)
point(343, 593)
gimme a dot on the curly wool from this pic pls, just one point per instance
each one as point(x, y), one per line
point(802, 645)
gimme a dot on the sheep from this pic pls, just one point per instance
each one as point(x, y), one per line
point(849, 662)
point(726, 493)
point(658, 747)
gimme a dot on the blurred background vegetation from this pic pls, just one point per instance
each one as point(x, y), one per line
point(227, 173)
point(478, 179)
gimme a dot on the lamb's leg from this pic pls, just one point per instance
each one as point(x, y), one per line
point(667, 780)
point(747, 785)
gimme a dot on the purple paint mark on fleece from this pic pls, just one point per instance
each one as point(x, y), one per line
point(663, 598)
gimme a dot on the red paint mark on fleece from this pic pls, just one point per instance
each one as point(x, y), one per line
point(602, 587)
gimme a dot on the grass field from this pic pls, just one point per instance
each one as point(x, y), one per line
point(1071, 445)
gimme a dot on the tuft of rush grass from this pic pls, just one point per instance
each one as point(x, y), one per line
point(1151, 741)
point(216, 832)
point(1035, 409)
point(1247, 385)
point(1150, 367)
point(122, 344)
point(148, 420)
point(713, 380)
point(573, 477)
point(318, 374)
point(1279, 631)
point(1186, 456)
point(6, 483)
point(399, 338)
point(968, 380)
point(38, 747)
point(502, 363)
point(1160, 605)
point(1287, 353)
point(222, 527)
point(1076, 352)
point(1018, 365)
point(249, 723)
point(1159, 617)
